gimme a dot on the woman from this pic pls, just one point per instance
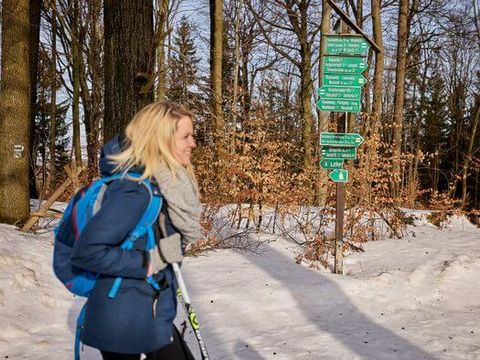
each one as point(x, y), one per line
point(139, 320)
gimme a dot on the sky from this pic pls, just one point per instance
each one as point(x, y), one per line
point(414, 298)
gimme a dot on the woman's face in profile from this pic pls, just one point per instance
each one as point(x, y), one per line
point(184, 142)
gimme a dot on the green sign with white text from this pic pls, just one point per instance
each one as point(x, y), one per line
point(340, 92)
point(344, 65)
point(332, 152)
point(346, 105)
point(344, 79)
point(344, 44)
point(331, 163)
point(340, 139)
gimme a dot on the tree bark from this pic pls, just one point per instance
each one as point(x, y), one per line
point(325, 29)
point(418, 124)
point(216, 55)
point(322, 115)
point(15, 111)
point(234, 107)
point(299, 22)
point(92, 100)
point(399, 93)
point(469, 154)
point(76, 84)
point(129, 61)
point(53, 98)
point(35, 10)
point(379, 64)
point(162, 35)
point(306, 86)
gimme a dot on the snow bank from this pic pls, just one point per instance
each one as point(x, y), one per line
point(415, 298)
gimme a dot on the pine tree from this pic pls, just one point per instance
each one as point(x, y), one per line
point(183, 66)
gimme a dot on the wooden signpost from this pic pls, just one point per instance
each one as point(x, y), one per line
point(341, 77)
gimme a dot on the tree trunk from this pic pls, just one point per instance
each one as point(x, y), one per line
point(162, 35)
point(246, 88)
point(322, 115)
point(469, 154)
point(92, 100)
point(306, 88)
point(234, 107)
point(76, 84)
point(359, 16)
point(129, 61)
point(399, 93)
point(409, 144)
point(435, 171)
point(35, 10)
point(216, 55)
point(299, 21)
point(325, 29)
point(15, 111)
point(414, 180)
point(475, 193)
point(53, 99)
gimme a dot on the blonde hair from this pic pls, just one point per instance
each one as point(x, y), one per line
point(150, 137)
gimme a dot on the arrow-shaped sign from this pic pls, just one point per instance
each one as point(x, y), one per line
point(339, 105)
point(339, 175)
point(344, 79)
point(330, 152)
point(331, 163)
point(341, 139)
point(344, 65)
point(345, 44)
point(340, 92)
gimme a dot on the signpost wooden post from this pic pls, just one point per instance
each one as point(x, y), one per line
point(341, 92)
point(342, 66)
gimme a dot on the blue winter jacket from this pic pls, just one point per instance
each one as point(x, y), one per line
point(126, 323)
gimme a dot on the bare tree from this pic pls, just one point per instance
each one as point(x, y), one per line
point(291, 17)
point(399, 90)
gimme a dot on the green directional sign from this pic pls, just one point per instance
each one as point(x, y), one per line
point(339, 175)
point(346, 105)
point(352, 45)
point(340, 139)
point(344, 79)
point(331, 163)
point(345, 153)
point(340, 92)
point(344, 65)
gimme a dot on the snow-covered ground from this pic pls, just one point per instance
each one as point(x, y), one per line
point(415, 298)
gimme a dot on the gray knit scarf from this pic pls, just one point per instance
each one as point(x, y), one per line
point(183, 204)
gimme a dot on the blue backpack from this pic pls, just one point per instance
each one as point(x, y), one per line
point(81, 208)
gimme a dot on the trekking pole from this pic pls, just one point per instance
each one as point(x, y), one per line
point(189, 310)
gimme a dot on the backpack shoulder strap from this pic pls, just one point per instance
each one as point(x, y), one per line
point(92, 199)
point(144, 226)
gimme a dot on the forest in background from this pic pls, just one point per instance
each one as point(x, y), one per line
point(74, 72)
